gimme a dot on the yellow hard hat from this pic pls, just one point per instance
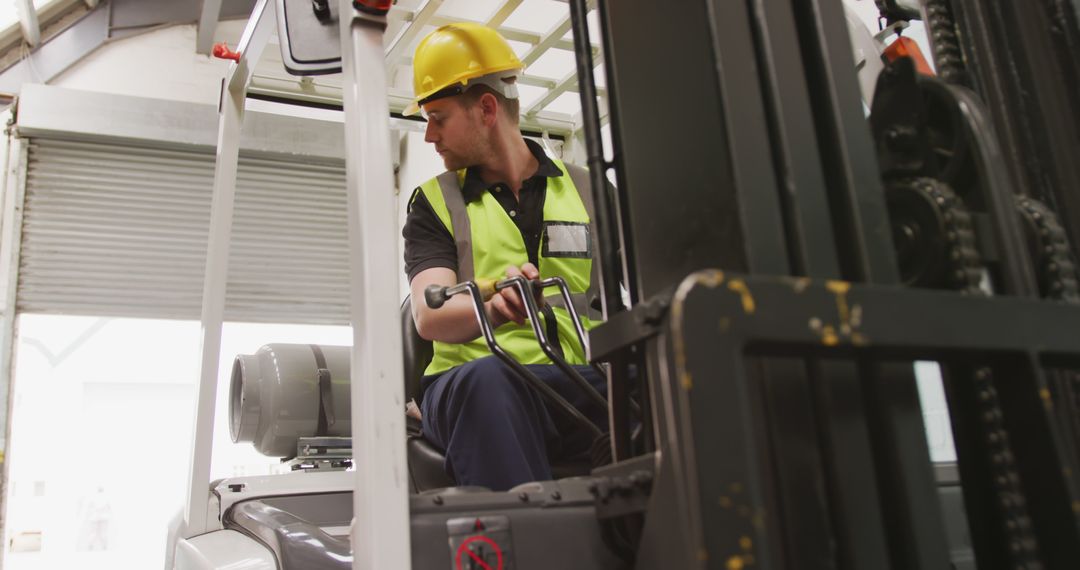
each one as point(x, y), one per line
point(455, 55)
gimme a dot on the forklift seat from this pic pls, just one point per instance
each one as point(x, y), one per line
point(426, 461)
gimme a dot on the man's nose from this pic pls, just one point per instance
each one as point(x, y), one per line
point(430, 133)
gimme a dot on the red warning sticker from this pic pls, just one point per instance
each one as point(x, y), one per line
point(479, 543)
point(478, 553)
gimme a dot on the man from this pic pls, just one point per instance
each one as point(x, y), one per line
point(503, 208)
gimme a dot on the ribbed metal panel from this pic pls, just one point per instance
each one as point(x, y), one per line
point(122, 230)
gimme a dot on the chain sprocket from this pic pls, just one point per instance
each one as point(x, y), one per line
point(934, 235)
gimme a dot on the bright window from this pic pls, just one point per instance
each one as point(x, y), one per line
point(935, 409)
point(9, 15)
point(101, 428)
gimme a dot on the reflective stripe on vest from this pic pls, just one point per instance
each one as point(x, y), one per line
point(488, 242)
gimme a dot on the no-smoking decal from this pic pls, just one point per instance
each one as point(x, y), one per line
point(475, 554)
point(480, 543)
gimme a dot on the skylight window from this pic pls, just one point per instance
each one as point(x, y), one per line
point(8, 16)
point(538, 15)
point(567, 103)
point(554, 64)
point(529, 95)
point(471, 10)
point(9, 13)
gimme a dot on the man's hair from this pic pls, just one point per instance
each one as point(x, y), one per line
point(512, 107)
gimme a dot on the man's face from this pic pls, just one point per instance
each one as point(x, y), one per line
point(456, 131)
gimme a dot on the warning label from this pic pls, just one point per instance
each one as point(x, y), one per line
point(480, 543)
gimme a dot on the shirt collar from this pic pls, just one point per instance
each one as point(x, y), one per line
point(474, 186)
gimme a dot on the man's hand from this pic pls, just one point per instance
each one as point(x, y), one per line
point(507, 305)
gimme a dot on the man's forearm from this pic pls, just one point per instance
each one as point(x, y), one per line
point(454, 322)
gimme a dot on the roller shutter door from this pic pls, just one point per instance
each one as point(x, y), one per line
point(122, 230)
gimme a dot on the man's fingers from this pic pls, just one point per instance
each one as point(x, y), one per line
point(530, 271)
point(503, 306)
point(510, 295)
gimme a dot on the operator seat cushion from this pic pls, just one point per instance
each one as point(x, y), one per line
point(417, 352)
point(426, 462)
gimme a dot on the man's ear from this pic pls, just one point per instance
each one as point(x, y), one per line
point(489, 108)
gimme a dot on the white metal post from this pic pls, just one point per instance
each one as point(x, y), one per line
point(208, 21)
point(28, 21)
point(12, 197)
point(380, 529)
point(197, 519)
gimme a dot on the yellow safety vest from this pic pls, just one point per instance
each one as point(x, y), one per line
point(488, 242)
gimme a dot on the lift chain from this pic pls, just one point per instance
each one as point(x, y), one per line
point(1006, 480)
point(1049, 246)
point(966, 271)
point(928, 214)
point(948, 56)
point(1058, 280)
point(967, 267)
point(963, 272)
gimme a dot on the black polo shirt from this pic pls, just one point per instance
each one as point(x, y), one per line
point(428, 243)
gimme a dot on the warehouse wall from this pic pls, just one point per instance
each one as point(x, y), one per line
point(160, 64)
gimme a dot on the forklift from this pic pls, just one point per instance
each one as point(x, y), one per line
point(772, 263)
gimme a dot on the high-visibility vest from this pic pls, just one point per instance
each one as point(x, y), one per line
point(488, 242)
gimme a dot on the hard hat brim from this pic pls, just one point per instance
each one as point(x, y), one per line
point(492, 80)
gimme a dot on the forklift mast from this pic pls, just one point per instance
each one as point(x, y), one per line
point(788, 260)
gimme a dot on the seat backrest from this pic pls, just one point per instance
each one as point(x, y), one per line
point(416, 351)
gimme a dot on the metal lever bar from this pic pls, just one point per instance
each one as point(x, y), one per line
point(526, 289)
point(568, 300)
point(436, 295)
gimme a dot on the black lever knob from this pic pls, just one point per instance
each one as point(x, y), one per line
point(435, 296)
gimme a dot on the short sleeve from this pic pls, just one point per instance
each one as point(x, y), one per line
point(428, 243)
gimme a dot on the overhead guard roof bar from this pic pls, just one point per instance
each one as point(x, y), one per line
point(197, 519)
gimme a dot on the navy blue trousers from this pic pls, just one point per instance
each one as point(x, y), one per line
point(496, 431)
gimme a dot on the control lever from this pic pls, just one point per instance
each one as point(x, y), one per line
point(436, 295)
point(480, 290)
point(579, 331)
point(526, 288)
